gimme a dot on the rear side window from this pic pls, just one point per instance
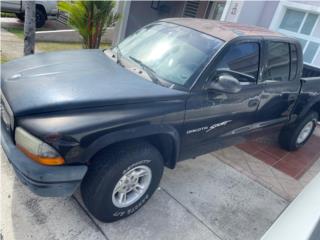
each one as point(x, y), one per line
point(278, 62)
point(294, 61)
point(242, 60)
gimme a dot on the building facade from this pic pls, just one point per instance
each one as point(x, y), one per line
point(299, 19)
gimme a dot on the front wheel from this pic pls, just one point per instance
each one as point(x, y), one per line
point(295, 136)
point(121, 180)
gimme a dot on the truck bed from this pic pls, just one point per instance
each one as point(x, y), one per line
point(310, 71)
point(310, 88)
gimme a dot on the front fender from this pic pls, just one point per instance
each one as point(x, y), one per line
point(134, 133)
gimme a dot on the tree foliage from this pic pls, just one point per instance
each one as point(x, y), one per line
point(90, 19)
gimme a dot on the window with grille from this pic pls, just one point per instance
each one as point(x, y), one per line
point(302, 25)
point(191, 8)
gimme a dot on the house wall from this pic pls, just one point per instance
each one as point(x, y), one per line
point(310, 41)
point(314, 2)
point(251, 12)
point(267, 13)
point(259, 13)
point(137, 8)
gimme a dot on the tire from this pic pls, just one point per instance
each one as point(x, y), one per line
point(41, 17)
point(289, 135)
point(98, 188)
point(20, 16)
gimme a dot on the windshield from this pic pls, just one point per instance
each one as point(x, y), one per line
point(174, 53)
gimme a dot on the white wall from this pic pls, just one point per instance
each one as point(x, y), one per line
point(233, 10)
point(308, 7)
point(259, 13)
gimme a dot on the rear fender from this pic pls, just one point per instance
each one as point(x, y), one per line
point(304, 107)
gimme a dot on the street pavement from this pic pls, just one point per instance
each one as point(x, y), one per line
point(202, 198)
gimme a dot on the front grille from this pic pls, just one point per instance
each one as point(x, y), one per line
point(5, 116)
point(6, 113)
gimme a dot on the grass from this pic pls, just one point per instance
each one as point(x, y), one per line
point(17, 31)
point(55, 46)
point(4, 58)
point(45, 46)
point(8, 15)
point(50, 46)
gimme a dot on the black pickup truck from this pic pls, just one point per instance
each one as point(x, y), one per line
point(111, 120)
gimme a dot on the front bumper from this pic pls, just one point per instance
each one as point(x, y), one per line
point(48, 181)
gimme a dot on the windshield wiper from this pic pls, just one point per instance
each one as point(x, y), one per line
point(119, 56)
point(147, 69)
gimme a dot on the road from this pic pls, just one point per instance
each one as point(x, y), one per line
point(202, 198)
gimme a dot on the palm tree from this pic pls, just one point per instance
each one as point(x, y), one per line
point(29, 27)
point(90, 19)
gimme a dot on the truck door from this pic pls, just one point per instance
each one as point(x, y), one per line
point(281, 84)
point(213, 118)
point(13, 6)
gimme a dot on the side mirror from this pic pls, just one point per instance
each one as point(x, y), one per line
point(225, 83)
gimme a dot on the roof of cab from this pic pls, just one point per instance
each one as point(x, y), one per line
point(223, 30)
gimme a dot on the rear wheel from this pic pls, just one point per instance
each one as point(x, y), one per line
point(121, 180)
point(295, 136)
point(20, 16)
point(41, 17)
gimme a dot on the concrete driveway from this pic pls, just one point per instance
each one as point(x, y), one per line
point(201, 199)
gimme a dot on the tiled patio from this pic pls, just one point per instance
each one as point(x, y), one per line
point(285, 173)
point(294, 164)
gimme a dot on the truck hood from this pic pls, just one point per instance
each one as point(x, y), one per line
point(74, 79)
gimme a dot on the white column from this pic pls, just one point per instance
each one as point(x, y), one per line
point(225, 10)
point(120, 29)
point(232, 11)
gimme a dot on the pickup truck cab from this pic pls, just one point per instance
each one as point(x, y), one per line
point(112, 120)
point(43, 10)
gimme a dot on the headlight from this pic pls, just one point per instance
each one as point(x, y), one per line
point(36, 149)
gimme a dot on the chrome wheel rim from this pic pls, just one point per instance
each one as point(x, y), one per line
point(131, 186)
point(305, 132)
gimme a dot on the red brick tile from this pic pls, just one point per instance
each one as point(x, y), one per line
point(294, 158)
point(314, 139)
point(265, 157)
point(311, 149)
point(306, 151)
point(305, 158)
point(249, 147)
point(294, 164)
point(275, 151)
point(289, 166)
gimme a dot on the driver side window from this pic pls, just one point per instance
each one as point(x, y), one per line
point(241, 61)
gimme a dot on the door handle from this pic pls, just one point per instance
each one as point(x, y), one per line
point(292, 98)
point(253, 103)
